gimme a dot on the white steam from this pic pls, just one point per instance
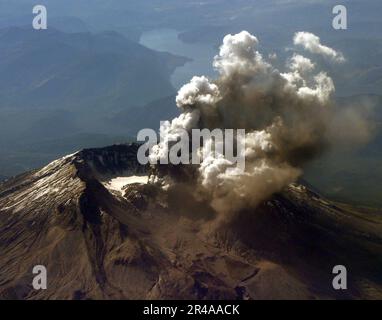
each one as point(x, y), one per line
point(311, 43)
point(284, 115)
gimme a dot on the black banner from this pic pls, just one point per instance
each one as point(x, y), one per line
point(189, 309)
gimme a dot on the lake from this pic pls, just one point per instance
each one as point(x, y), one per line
point(201, 54)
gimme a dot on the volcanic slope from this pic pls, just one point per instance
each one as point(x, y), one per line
point(103, 232)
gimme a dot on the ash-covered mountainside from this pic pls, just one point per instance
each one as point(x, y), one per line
point(103, 232)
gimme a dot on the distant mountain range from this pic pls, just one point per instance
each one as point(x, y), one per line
point(60, 92)
point(148, 115)
point(52, 69)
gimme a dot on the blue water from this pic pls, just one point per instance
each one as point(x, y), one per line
point(201, 54)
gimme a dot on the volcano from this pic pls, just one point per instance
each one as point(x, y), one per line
point(103, 230)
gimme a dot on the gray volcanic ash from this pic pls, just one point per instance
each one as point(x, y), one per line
point(287, 118)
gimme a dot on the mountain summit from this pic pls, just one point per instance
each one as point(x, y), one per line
point(103, 230)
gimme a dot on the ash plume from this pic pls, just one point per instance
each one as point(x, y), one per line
point(285, 116)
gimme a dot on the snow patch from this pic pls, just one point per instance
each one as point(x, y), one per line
point(118, 183)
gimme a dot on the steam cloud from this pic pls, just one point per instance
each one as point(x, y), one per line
point(285, 115)
point(312, 43)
